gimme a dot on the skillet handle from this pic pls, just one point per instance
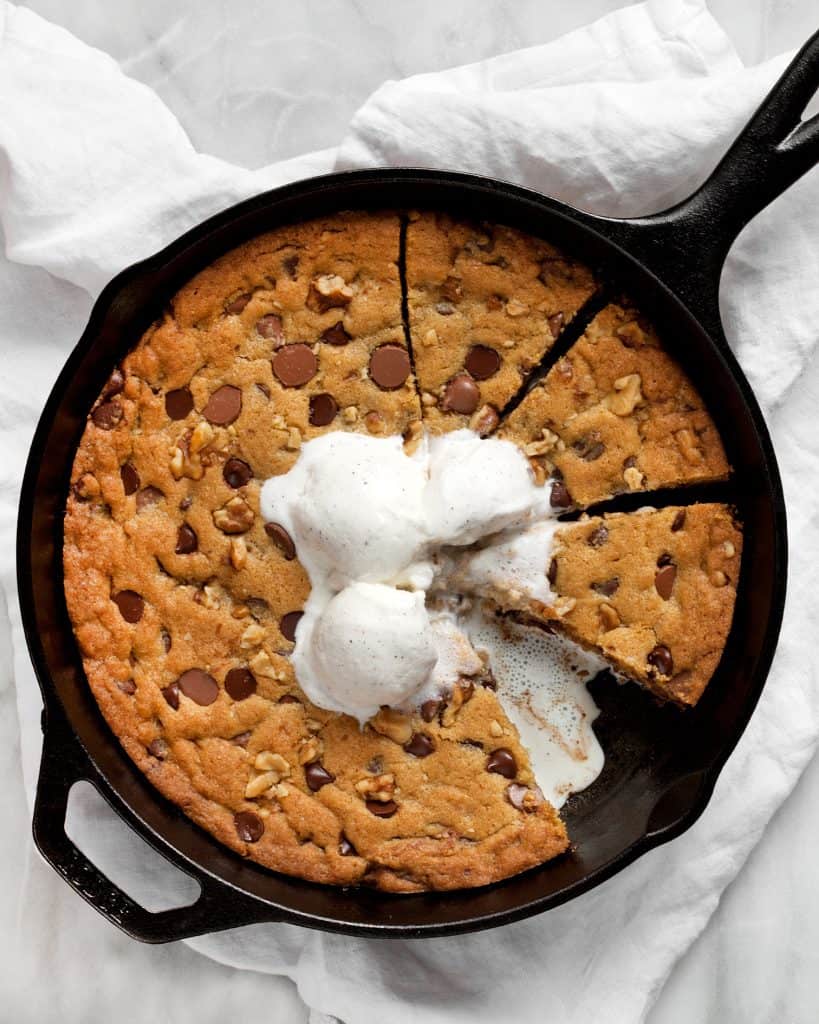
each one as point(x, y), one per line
point(686, 245)
point(218, 906)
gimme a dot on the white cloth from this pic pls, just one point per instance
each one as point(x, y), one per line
point(622, 117)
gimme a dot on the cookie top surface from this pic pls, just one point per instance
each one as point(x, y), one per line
point(184, 601)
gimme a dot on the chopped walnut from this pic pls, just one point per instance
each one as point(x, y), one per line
point(310, 750)
point(374, 422)
point(461, 692)
point(718, 578)
point(313, 724)
point(626, 395)
point(293, 442)
point(688, 446)
point(542, 447)
point(377, 787)
point(428, 399)
point(609, 619)
point(495, 729)
point(260, 784)
point(201, 436)
point(349, 414)
point(430, 338)
point(328, 291)
point(208, 597)
point(515, 308)
point(631, 334)
point(238, 552)
point(393, 724)
point(235, 516)
point(252, 636)
point(633, 478)
point(261, 665)
point(729, 549)
point(485, 420)
point(87, 487)
point(267, 761)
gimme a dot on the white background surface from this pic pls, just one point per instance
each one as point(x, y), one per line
point(255, 82)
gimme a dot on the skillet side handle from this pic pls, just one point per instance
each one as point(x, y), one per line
point(686, 245)
point(63, 763)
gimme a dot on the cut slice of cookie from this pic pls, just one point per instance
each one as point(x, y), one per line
point(653, 591)
point(485, 303)
point(617, 414)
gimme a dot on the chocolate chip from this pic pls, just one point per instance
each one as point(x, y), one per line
point(419, 745)
point(178, 403)
point(116, 382)
point(238, 304)
point(482, 362)
point(461, 395)
point(336, 335)
point(560, 497)
point(127, 686)
point(389, 366)
point(129, 477)
point(171, 695)
point(240, 683)
point(295, 364)
point(258, 607)
point(316, 776)
point(288, 624)
point(429, 709)
point(130, 604)
point(249, 826)
point(555, 323)
point(607, 587)
point(186, 540)
point(158, 748)
point(679, 521)
point(345, 847)
point(660, 659)
point(107, 415)
point(290, 265)
point(237, 473)
point(288, 698)
point(598, 537)
point(380, 809)
point(451, 289)
point(242, 739)
point(148, 496)
point(551, 575)
point(590, 451)
point(167, 640)
point(664, 580)
point(200, 687)
point(185, 504)
point(630, 462)
point(323, 409)
point(502, 762)
point(664, 559)
point(271, 327)
point(282, 539)
point(224, 405)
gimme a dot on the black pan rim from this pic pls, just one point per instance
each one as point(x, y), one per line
point(346, 183)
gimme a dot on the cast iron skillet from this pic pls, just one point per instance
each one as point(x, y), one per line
point(661, 764)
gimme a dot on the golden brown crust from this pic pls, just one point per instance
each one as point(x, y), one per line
point(616, 414)
point(140, 476)
point(490, 287)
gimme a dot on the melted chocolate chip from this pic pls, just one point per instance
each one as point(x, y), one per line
point(290, 265)
point(200, 687)
point(389, 366)
point(127, 686)
point(316, 776)
point(295, 364)
point(237, 473)
point(664, 580)
point(116, 382)
point(129, 477)
point(419, 745)
point(482, 362)
point(452, 289)
point(264, 389)
point(107, 415)
point(282, 539)
point(288, 698)
point(660, 659)
point(502, 762)
point(178, 403)
point(186, 540)
point(555, 323)
point(158, 748)
point(271, 327)
point(240, 683)
point(288, 625)
point(167, 640)
point(249, 826)
point(323, 409)
point(238, 304)
point(679, 521)
point(130, 604)
point(551, 575)
point(461, 395)
point(148, 496)
point(606, 587)
point(429, 709)
point(560, 497)
point(381, 809)
point(224, 405)
point(336, 335)
point(345, 847)
point(598, 537)
point(171, 695)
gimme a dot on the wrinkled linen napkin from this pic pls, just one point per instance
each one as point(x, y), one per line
point(623, 117)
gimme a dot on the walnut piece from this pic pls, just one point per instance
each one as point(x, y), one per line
point(626, 395)
point(235, 516)
point(377, 787)
point(395, 725)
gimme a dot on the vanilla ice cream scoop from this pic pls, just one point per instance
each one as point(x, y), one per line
point(353, 505)
point(370, 645)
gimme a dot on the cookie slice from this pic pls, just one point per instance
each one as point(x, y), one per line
point(654, 591)
point(617, 414)
point(307, 322)
point(485, 303)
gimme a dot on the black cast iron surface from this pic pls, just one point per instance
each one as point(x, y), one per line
point(661, 765)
